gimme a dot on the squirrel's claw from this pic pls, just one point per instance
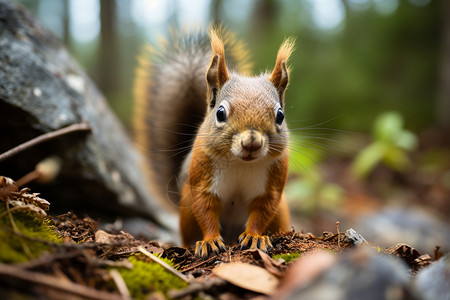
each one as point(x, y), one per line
point(255, 241)
point(203, 248)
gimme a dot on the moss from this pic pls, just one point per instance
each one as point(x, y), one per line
point(146, 277)
point(287, 257)
point(28, 243)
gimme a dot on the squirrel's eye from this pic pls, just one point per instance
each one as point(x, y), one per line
point(221, 114)
point(280, 117)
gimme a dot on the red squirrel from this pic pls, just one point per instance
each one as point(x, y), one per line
point(215, 140)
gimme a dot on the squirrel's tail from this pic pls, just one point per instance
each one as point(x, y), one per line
point(170, 101)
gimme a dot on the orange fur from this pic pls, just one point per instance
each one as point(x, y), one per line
point(280, 73)
point(251, 191)
point(218, 63)
point(201, 202)
point(285, 52)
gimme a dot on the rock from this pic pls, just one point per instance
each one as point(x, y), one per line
point(43, 89)
point(359, 274)
point(408, 225)
point(433, 282)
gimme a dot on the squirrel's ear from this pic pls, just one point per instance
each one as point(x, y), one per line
point(217, 73)
point(280, 73)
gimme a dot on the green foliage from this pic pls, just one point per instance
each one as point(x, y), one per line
point(27, 244)
point(308, 189)
point(312, 195)
point(146, 277)
point(391, 144)
point(303, 156)
point(288, 257)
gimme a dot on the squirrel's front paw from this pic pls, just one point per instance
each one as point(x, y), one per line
point(205, 247)
point(255, 241)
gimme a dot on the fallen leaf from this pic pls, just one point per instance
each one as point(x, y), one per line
point(6, 187)
point(269, 264)
point(102, 237)
point(247, 276)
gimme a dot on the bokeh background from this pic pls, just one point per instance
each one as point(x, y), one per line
point(368, 103)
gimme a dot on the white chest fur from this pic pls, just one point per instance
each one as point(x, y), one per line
point(237, 185)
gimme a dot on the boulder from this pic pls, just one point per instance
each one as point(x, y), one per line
point(43, 89)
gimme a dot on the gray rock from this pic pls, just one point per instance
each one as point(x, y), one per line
point(407, 225)
point(361, 274)
point(433, 282)
point(43, 89)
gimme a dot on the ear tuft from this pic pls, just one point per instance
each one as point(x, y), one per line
point(280, 73)
point(218, 51)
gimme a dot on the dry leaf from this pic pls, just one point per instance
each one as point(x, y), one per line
point(247, 276)
point(7, 186)
point(22, 200)
point(269, 264)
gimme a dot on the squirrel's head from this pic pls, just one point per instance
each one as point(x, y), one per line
point(246, 112)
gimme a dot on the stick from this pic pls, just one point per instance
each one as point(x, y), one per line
point(163, 264)
point(199, 264)
point(45, 137)
point(339, 234)
point(120, 283)
point(55, 283)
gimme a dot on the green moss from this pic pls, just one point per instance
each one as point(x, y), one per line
point(146, 277)
point(288, 257)
point(28, 243)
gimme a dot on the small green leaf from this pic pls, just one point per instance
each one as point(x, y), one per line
point(396, 159)
point(406, 140)
point(388, 126)
point(368, 158)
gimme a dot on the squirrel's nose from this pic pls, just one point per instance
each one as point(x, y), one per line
point(252, 141)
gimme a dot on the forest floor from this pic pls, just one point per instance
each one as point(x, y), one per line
point(84, 264)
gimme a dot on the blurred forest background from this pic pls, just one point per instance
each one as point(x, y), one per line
point(368, 101)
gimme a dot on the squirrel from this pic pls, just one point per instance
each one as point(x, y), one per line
point(215, 139)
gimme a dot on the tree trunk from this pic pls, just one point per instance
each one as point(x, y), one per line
point(443, 104)
point(109, 49)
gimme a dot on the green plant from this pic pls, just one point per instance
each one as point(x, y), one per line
point(287, 257)
point(307, 189)
point(31, 237)
point(390, 146)
point(146, 277)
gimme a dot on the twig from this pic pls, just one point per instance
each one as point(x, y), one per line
point(196, 287)
point(50, 259)
point(339, 234)
point(7, 271)
point(293, 234)
point(45, 137)
point(33, 175)
point(85, 245)
point(120, 284)
point(163, 264)
point(199, 264)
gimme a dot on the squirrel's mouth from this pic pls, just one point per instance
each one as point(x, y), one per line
point(248, 158)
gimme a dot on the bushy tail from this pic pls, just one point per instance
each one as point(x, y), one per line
point(170, 102)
